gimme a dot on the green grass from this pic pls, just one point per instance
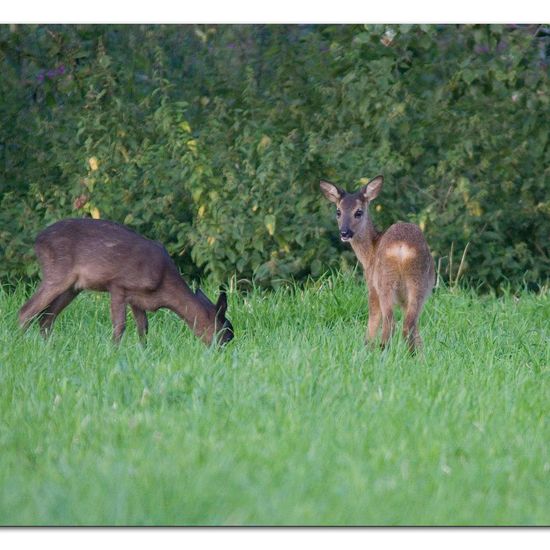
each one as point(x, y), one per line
point(296, 422)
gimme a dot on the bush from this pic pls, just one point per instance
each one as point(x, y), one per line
point(212, 139)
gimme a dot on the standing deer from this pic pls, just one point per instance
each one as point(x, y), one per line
point(397, 263)
point(88, 254)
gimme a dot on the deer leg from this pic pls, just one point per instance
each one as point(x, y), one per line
point(388, 322)
point(118, 315)
point(375, 315)
point(410, 324)
point(141, 321)
point(48, 316)
point(41, 299)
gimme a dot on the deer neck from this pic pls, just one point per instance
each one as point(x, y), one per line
point(182, 300)
point(364, 245)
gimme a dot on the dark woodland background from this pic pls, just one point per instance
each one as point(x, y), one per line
point(212, 139)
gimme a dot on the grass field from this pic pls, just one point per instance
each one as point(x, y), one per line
point(295, 422)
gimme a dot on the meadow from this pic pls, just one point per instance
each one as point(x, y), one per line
point(294, 423)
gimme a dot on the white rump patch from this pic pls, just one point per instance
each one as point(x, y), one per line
point(401, 251)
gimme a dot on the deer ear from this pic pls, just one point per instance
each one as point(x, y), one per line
point(221, 304)
point(370, 191)
point(332, 193)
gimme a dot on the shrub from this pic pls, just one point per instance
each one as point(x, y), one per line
point(212, 139)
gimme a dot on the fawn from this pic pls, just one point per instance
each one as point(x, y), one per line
point(90, 254)
point(397, 263)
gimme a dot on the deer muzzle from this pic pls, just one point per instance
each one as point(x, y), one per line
point(346, 235)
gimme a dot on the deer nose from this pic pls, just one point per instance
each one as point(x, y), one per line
point(346, 234)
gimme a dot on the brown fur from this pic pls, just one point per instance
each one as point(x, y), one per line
point(86, 254)
point(398, 267)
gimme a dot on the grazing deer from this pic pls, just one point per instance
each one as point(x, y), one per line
point(397, 263)
point(89, 254)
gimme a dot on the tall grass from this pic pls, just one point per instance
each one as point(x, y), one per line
point(295, 422)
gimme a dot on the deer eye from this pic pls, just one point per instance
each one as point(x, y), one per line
point(338, 213)
point(358, 213)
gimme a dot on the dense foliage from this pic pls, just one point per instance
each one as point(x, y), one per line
point(212, 139)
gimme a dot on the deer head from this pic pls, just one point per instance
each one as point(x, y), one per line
point(352, 208)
